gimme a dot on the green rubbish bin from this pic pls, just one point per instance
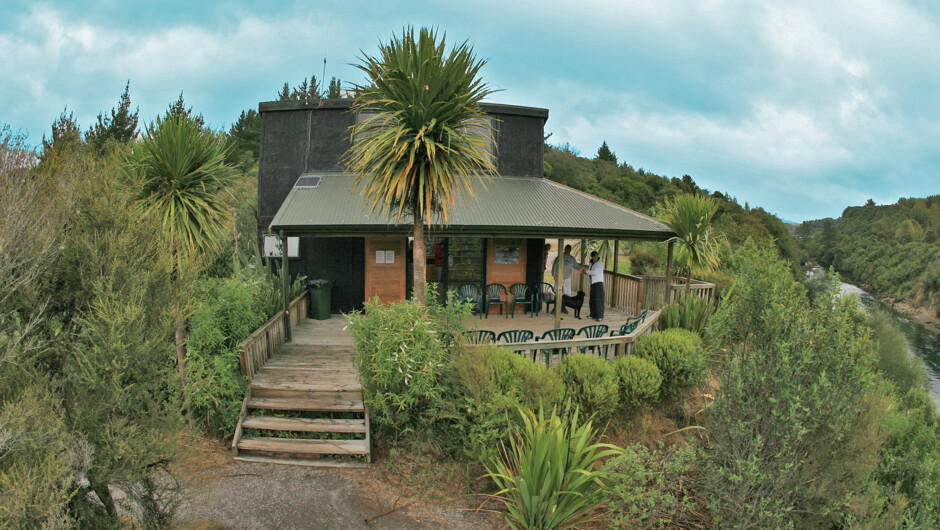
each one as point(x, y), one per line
point(319, 292)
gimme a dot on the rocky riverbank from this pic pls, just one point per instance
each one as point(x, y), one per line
point(921, 315)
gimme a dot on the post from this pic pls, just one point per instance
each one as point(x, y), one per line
point(669, 273)
point(581, 276)
point(561, 274)
point(285, 286)
point(616, 255)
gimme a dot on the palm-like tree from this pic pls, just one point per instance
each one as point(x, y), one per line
point(690, 217)
point(423, 141)
point(178, 172)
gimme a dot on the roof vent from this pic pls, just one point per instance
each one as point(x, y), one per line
point(308, 182)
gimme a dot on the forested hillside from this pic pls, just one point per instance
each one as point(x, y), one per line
point(894, 249)
point(643, 191)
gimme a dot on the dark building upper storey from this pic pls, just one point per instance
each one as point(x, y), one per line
point(299, 137)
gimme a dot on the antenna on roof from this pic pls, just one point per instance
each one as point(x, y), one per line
point(323, 79)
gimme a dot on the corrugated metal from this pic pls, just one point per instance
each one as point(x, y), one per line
point(505, 206)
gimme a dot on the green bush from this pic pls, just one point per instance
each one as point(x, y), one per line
point(677, 354)
point(485, 388)
point(794, 388)
point(655, 490)
point(402, 354)
point(591, 384)
point(548, 477)
point(893, 356)
point(639, 381)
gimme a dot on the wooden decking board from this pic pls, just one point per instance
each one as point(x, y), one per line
point(307, 386)
point(316, 462)
point(320, 405)
point(305, 424)
point(340, 396)
point(301, 446)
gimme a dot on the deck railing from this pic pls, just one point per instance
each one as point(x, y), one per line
point(632, 294)
point(547, 351)
point(266, 340)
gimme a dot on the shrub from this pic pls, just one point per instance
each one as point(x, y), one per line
point(793, 380)
point(485, 388)
point(639, 381)
point(228, 311)
point(677, 354)
point(655, 490)
point(591, 384)
point(402, 354)
point(548, 476)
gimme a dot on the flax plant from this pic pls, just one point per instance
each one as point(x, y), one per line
point(422, 141)
point(548, 476)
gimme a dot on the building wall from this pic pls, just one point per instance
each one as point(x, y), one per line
point(340, 260)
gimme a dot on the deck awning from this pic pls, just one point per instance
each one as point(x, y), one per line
point(505, 206)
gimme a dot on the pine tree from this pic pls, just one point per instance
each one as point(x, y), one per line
point(179, 110)
point(604, 153)
point(335, 92)
point(120, 126)
point(66, 135)
point(246, 132)
point(284, 94)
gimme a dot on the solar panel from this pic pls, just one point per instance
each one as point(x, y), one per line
point(308, 182)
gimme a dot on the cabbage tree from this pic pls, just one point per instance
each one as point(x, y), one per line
point(422, 141)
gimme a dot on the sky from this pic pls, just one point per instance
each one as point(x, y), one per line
point(800, 107)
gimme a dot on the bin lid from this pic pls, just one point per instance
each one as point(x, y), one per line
point(319, 283)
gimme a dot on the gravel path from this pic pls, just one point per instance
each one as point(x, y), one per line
point(249, 495)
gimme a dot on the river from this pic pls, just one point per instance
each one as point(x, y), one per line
point(922, 341)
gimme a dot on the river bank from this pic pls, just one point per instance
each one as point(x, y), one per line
point(921, 315)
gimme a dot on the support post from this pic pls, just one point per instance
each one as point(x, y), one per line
point(285, 286)
point(558, 282)
point(669, 273)
point(583, 254)
point(616, 255)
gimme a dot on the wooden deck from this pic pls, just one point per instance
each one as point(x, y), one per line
point(305, 403)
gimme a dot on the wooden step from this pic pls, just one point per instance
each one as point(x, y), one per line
point(304, 447)
point(323, 405)
point(277, 391)
point(314, 462)
point(305, 424)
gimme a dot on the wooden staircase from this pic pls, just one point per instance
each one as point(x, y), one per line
point(304, 406)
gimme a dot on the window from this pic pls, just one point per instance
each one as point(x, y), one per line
point(272, 247)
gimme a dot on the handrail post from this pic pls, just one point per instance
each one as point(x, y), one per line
point(669, 274)
point(285, 284)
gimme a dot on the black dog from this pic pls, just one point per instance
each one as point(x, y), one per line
point(574, 302)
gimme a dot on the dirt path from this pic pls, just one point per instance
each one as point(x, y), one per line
point(223, 493)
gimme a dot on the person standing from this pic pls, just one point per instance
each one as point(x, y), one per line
point(596, 272)
point(439, 261)
point(570, 265)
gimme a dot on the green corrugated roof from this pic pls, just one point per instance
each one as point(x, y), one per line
point(504, 207)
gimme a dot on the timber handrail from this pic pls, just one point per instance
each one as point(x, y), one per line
point(264, 342)
point(611, 346)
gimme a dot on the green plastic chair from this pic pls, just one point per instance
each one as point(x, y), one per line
point(495, 294)
point(481, 336)
point(521, 295)
point(545, 292)
point(515, 335)
point(471, 294)
point(592, 332)
point(627, 328)
point(555, 334)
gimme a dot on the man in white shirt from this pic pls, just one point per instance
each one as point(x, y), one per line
point(570, 265)
point(596, 272)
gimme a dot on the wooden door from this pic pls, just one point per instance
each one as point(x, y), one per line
point(385, 269)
